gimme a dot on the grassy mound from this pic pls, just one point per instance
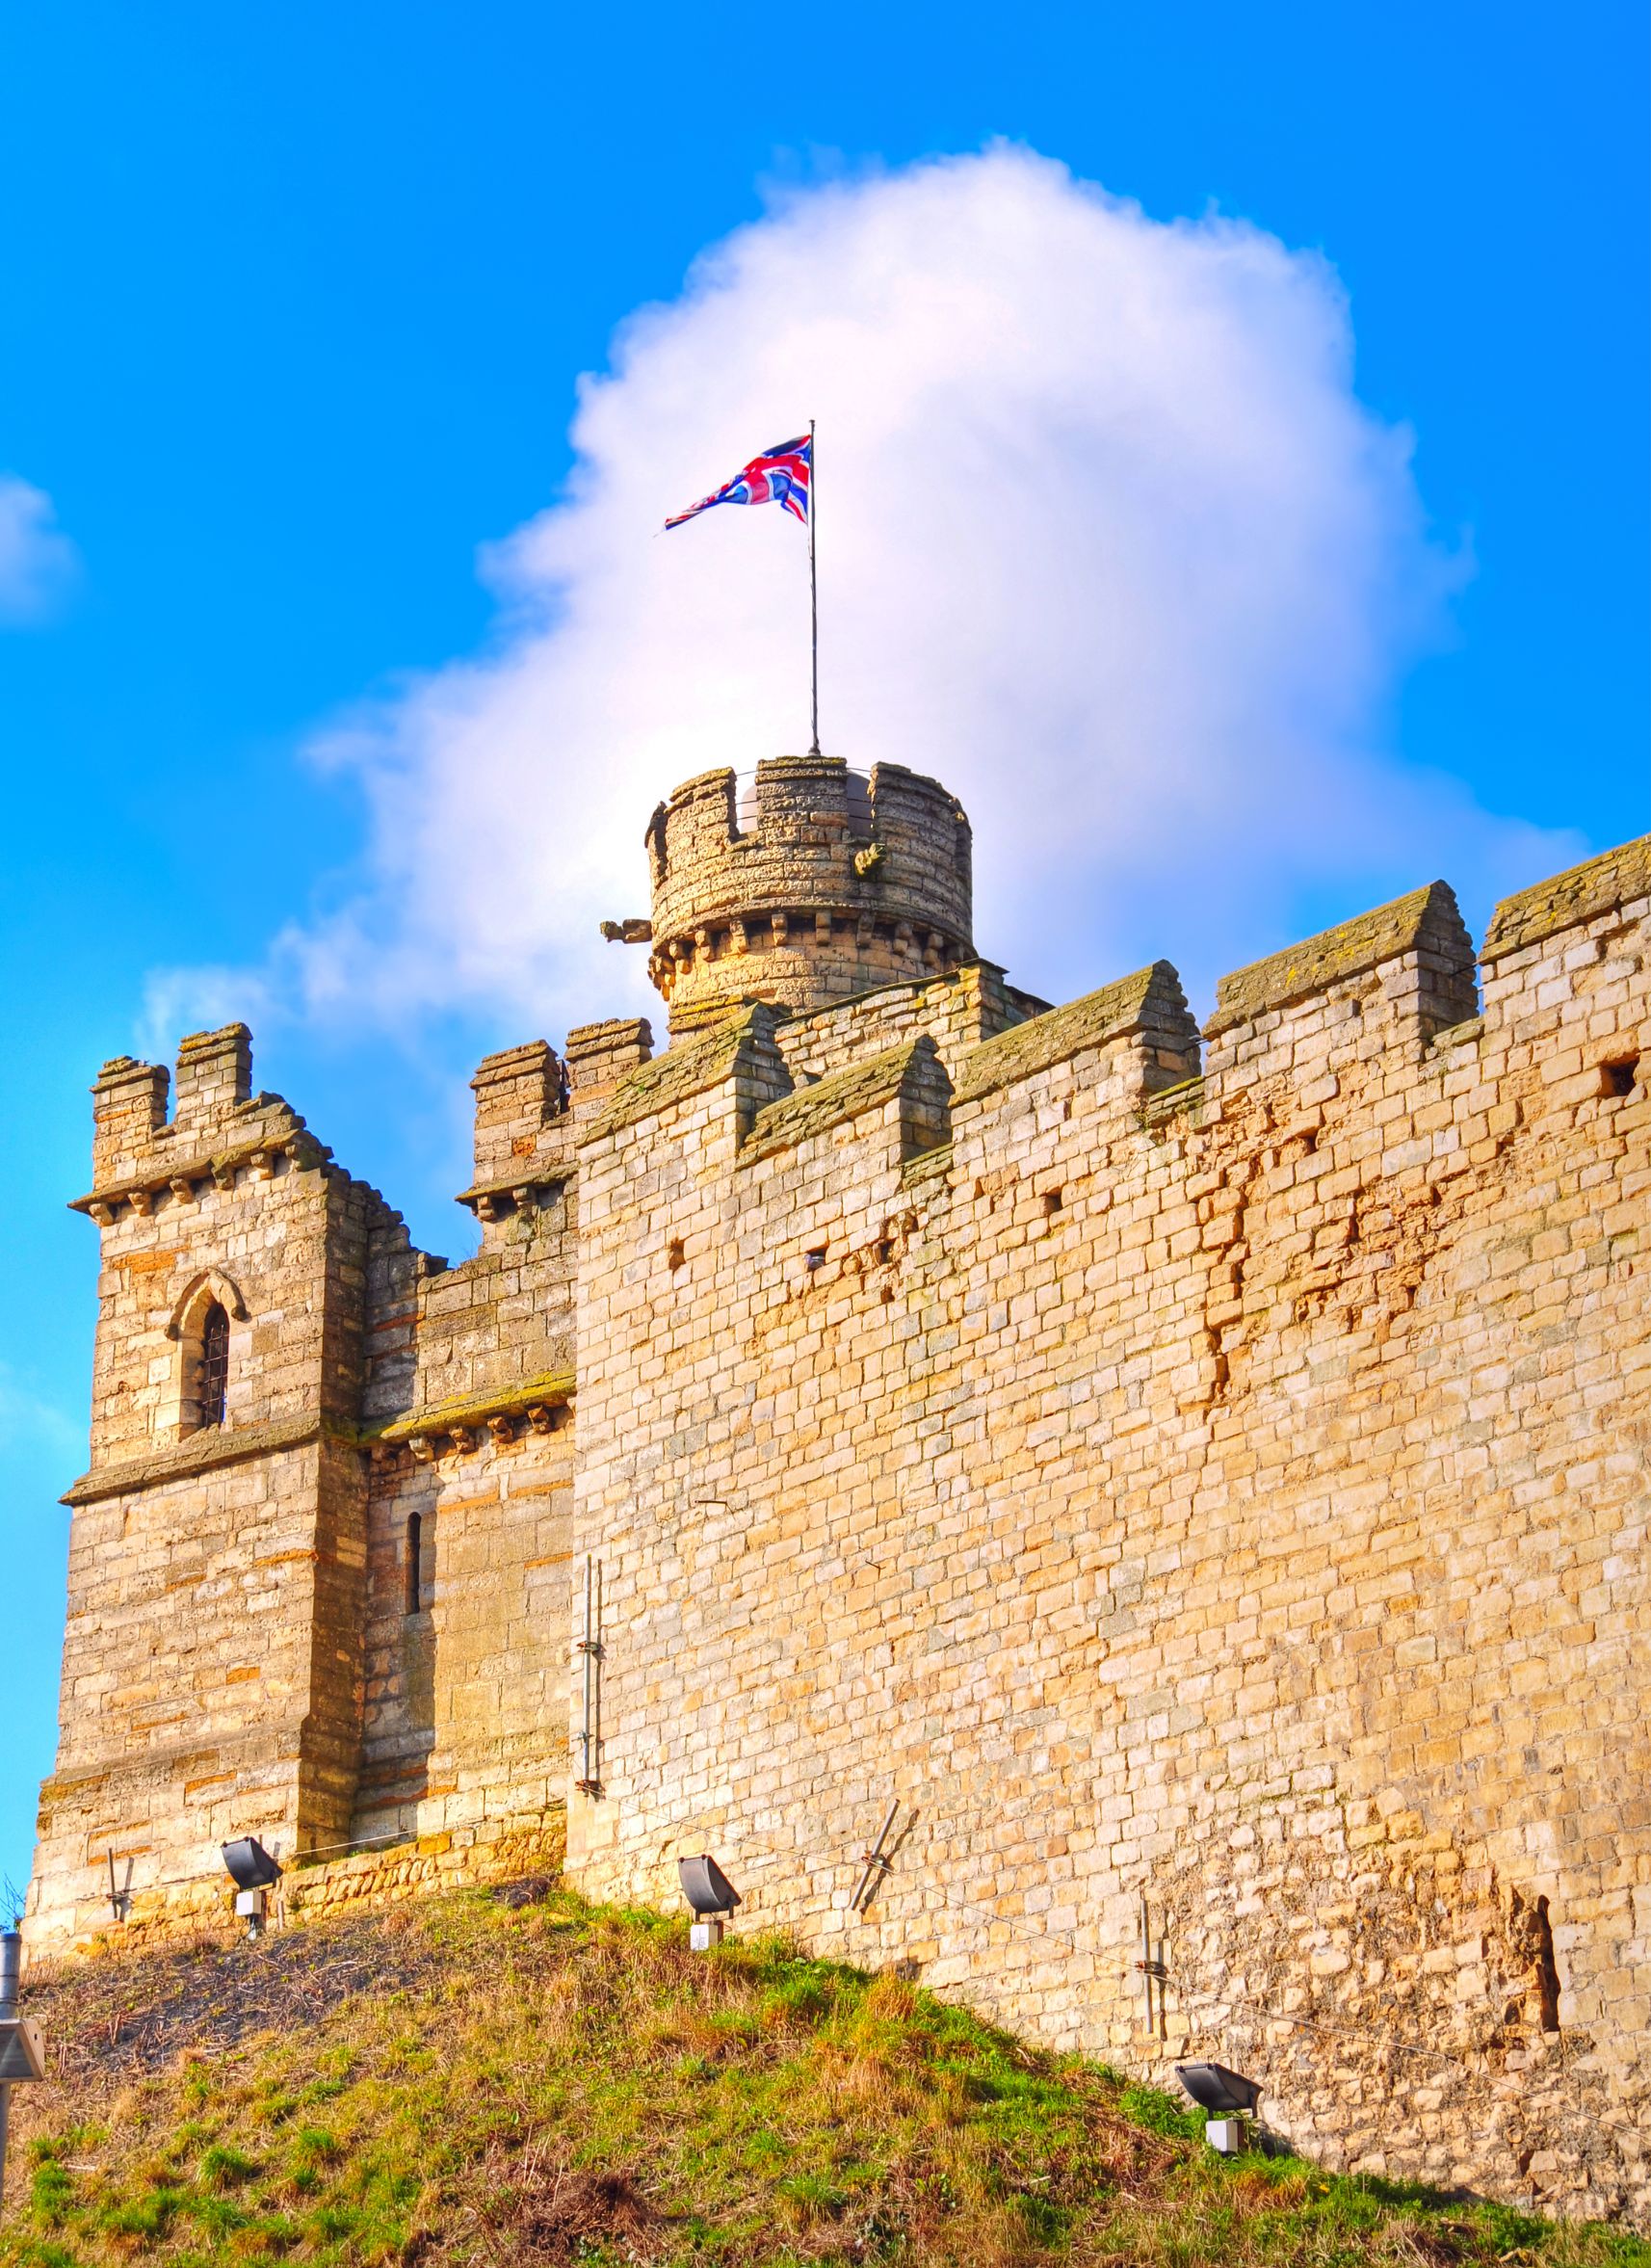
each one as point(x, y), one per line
point(523, 2078)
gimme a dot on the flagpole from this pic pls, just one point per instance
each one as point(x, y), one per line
point(813, 600)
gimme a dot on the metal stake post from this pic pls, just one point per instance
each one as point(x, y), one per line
point(10, 1968)
point(1151, 1968)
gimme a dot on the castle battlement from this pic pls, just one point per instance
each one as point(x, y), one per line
point(1206, 1471)
point(828, 881)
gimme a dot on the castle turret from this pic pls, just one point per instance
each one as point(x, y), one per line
point(821, 884)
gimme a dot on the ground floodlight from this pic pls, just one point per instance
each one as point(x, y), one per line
point(1213, 2088)
point(250, 1867)
point(705, 1886)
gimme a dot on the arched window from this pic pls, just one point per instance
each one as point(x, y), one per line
point(207, 1309)
point(214, 1363)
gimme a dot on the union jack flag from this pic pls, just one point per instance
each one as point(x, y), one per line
point(778, 475)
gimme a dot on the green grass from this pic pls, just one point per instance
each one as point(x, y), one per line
point(467, 2081)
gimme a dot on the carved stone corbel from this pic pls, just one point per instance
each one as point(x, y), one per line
point(503, 1430)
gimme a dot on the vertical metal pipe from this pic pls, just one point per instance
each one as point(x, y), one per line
point(593, 1660)
point(585, 1720)
point(10, 1970)
point(1146, 1960)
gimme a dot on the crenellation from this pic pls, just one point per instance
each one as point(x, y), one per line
point(825, 884)
point(129, 1111)
point(1211, 1472)
point(214, 1075)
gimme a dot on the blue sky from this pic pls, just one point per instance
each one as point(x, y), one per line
point(292, 311)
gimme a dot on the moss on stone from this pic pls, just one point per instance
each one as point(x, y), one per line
point(831, 1101)
point(1150, 999)
point(551, 1387)
point(1428, 918)
point(1598, 886)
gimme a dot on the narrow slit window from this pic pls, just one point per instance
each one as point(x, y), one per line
point(414, 1569)
point(214, 1363)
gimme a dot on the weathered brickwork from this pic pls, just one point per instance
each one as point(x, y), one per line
point(1203, 1481)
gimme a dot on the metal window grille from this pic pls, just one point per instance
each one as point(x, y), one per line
point(214, 1365)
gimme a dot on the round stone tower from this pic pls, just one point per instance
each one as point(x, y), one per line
point(819, 883)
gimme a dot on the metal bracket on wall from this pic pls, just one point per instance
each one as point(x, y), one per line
point(589, 1781)
point(1153, 1971)
point(120, 1899)
point(875, 1865)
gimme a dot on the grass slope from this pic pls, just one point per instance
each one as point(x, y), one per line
point(521, 2077)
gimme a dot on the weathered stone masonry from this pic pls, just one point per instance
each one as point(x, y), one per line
point(1207, 1473)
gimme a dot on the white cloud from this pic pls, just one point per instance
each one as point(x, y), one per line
point(1107, 542)
point(38, 562)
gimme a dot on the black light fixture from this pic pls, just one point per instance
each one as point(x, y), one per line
point(711, 1895)
point(254, 1874)
point(1213, 2088)
point(1231, 2099)
point(250, 1867)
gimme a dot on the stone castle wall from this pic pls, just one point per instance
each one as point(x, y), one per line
point(1226, 1490)
point(1211, 1475)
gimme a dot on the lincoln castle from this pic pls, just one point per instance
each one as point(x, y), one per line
point(1188, 1487)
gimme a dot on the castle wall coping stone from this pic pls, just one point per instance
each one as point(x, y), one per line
point(1352, 948)
point(1150, 996)
point(609, 1031)
point(683, 1071)
point(832, 1101)
point(201, 1452)
point(509, 1064)
point(218, 1041)
point(1598, 886)
point(552, 1387)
